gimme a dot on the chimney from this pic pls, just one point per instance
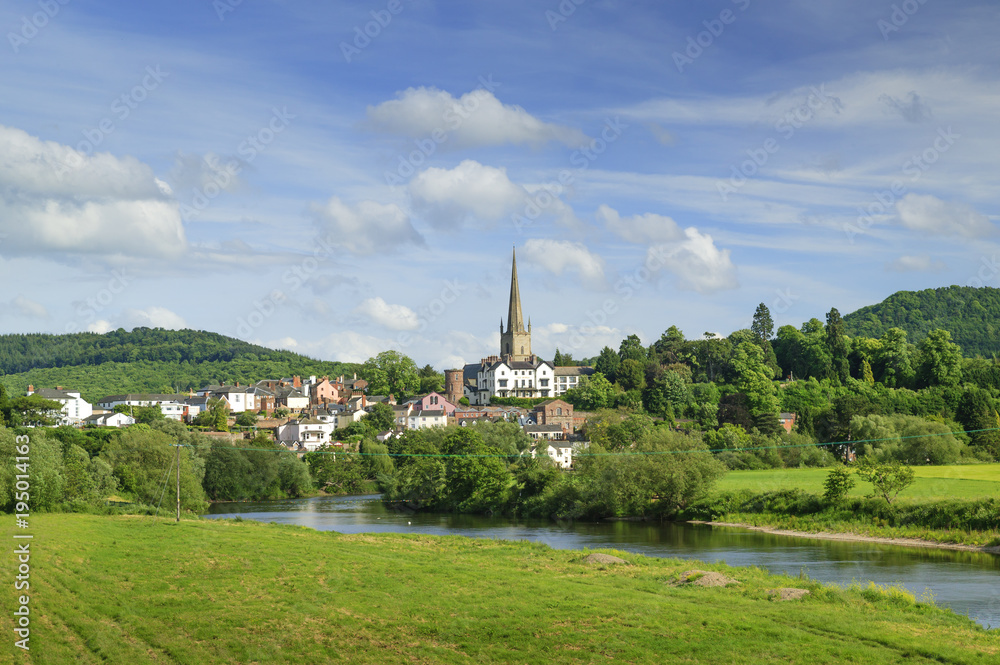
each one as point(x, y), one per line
point(59, 387)
point(31, 389)
point(237, 384)
point(297, 381)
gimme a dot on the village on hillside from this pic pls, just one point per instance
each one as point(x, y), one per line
point(303, 415)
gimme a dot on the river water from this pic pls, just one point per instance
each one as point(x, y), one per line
point(967, 582)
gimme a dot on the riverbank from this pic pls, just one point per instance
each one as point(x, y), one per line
point(138, 589)
point(858, 537)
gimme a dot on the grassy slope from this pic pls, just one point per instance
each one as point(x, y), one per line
point(134, 590)
point(932, 482)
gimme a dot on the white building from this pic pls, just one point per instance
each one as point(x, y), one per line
point(74, 410)
point(110, 420)
point(424, 419)
point(240, 398)
point(567, 378)
point(311, 433)
point(517, 372)
point(561, 455)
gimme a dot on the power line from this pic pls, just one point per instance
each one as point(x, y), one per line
point(586, 454)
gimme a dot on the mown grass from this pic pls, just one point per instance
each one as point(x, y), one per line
point(140, 590)
point(932, 482)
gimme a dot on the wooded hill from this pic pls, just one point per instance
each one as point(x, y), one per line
point(145, 360)
point(971, 315)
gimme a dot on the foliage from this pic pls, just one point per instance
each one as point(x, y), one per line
point(968, 313)
point(246, 419)
point(837, 484)
point(887, 478)
point(145, 360)
point(940, 360)
point(593, 393)
point(380, 418)
point(391, 373)
point(143, 463)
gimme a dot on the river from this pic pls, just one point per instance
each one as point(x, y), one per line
point(966, 582)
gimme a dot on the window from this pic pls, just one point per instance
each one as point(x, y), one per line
point(543, 382)
point(503, 383)
point(559, 411)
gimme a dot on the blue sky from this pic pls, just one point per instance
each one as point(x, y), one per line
point(260, 170)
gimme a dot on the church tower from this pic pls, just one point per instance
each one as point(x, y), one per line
point(515, 342)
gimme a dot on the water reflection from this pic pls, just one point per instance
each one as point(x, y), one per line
point(967, 582)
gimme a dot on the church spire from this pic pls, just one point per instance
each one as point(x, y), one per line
point(515, 321)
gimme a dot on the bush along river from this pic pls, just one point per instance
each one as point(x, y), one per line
point(966, 582)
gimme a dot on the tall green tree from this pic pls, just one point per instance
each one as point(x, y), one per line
point(632, 349)
point(837, 343)
point(940, 360)
point(762, 326)
point(391, 372)
point(753, 379)
point(893, 359)
point(608, 363)
point(380, 418)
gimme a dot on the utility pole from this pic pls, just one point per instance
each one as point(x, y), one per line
point(178, 482)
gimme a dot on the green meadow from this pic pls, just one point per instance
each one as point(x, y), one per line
point(142, 590)
point(969, 481)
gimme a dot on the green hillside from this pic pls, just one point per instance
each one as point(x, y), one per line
point(971, 315)
point(145, 360)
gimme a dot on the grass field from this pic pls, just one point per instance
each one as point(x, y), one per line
point(932, 482)
point(137, 590)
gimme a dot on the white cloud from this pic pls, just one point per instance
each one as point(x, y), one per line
point(581, 340)
point(55, 199)
point(29, 308)
point(916, 264)
point(366, 228)
point(287, 343)
point(559, 256)
point(152, 317)
point(101, 326)
point(698, 264)
point(476, 118)
point(640, 229)
point(393, 317)
point(932, 215)
point(472, 192)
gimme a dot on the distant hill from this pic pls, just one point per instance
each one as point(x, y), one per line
point(145, 360)
point(971, 315)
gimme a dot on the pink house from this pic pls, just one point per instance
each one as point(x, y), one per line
point(325, 392)
point(435, 402)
